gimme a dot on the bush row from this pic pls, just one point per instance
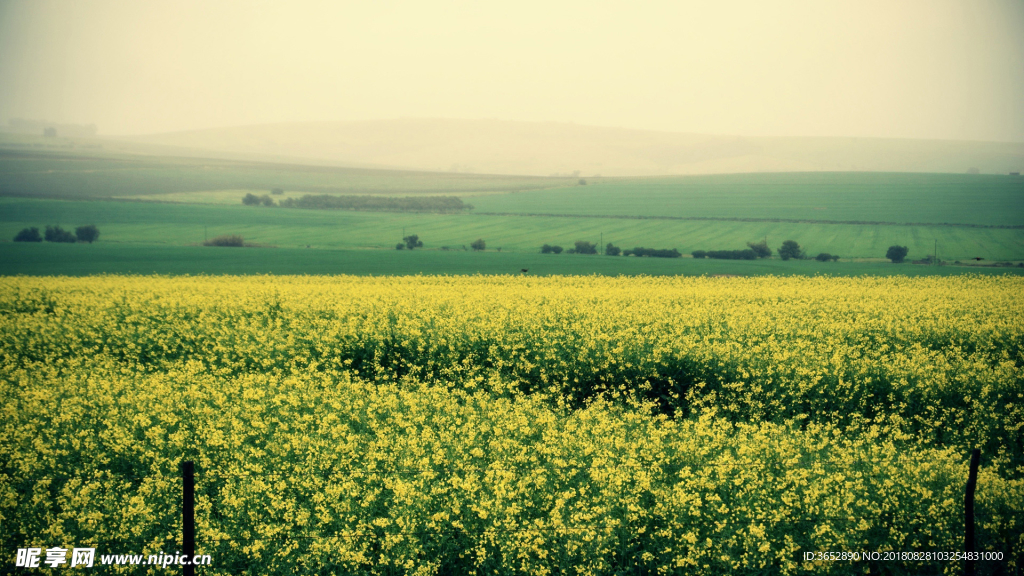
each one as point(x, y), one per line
point(726, 254)
point(653, 252)
point(88, 233)
point(368, 203)
point(584, 247)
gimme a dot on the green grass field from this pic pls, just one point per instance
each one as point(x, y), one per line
point(196, 199)
point(188, 224)
point(819, 196)
point(84, 259)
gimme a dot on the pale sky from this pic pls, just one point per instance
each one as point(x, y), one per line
point(947, 69)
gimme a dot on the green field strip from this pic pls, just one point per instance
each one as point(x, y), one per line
point(84, 259)
point(818, 197)
point(134, 222)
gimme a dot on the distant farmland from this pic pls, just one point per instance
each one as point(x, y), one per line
point(91, 174)
point(81, 259)
point(814, 196)
point(854, 215)
point(184, 224)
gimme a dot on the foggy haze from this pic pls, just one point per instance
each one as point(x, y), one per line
point(910, 69)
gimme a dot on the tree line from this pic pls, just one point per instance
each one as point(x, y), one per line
point(444, 204)
point(790, 250)
point(88, 233)
point(584, 247)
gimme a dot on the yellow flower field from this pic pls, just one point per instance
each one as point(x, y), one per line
point(514, 425)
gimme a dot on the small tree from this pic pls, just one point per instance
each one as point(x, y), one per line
point(896, 253)
point(790, 249)
point(584, 247)
point(276, 191)
point(612, 250)
point(412, 241)
point(399, 246)
point(478, 245)
point(761, 249)
point(251, 199)
point(58, 234)
point(548, 249)
point(29, 235)
point(89, 233)
point(824, 257)
point(266, 200)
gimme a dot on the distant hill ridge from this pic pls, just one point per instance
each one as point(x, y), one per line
point(543, 149)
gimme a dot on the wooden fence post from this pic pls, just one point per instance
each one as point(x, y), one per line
point(188, 515)
point(972, 481)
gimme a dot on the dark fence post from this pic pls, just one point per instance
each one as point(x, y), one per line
point(188, 515)
point(972, 481)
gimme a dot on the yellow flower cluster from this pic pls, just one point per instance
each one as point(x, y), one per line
point(512, 425)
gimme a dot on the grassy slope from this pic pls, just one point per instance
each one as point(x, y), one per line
point(82, 259)
point(184, 224)
point(852, 196)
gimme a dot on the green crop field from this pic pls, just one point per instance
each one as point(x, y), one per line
point(82, 259)
point(149, 200)
point(188, 224)
point(818, 196)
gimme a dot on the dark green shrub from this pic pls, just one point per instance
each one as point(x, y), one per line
point(58, 234)
point(897, 254)
point(790, 249)
point(28, 235)
point(700, 253)
point(653, 252)
point(412, 241)
point(584, 247)
point(254, 200)
point(88, 233)
point(761, 249)
point(548, 249)
point(478, 245)
point(232, 240)
point(747, 254)
point(611, 250)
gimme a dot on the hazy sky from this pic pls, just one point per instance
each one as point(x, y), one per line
point(951, 69)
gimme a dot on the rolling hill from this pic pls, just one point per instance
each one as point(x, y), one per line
point(544, 149)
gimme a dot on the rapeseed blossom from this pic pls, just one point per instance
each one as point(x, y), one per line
point(583, 425)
